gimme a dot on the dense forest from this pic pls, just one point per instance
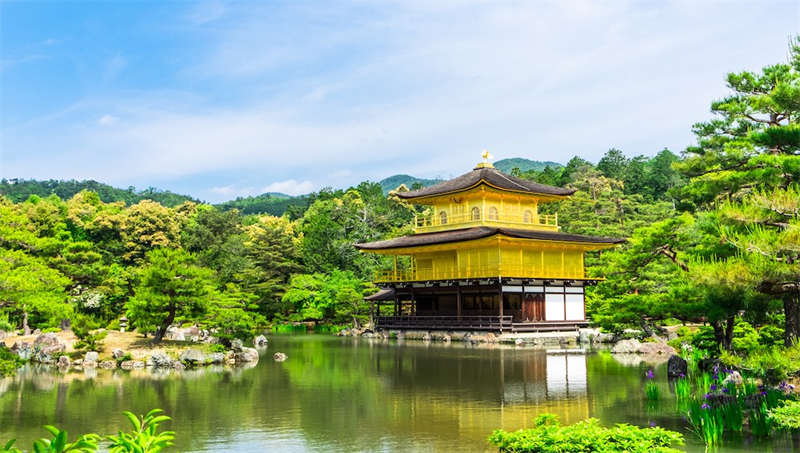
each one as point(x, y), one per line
point(714, 238)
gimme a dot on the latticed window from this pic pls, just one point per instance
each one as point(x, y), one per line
point(443, 218)
point(492, 213)
point(476, 213)
point(528, 217)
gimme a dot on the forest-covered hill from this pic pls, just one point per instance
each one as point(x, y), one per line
point(506, 165)
point(18, 190)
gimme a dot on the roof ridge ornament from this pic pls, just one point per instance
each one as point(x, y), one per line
point(486, 155)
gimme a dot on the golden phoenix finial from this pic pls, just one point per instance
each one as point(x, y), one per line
point(486, 155)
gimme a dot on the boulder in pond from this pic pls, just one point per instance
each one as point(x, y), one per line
point(63, 362)
point(117, 353)
point(279, 357)
point(108, 364)
point(260, 341)
point(246, 355)
point(23, 350)
point(177, 365)
point(657, 348)
point(45, 340)
point(159, 359)
point(215, 358)
point(91, 356)
point(192, 357)
point(89, 363)
point(631, 346)
point(236, 345)
point(677, 367)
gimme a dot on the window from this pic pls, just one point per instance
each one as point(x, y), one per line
point(528, 218)
point(443, 218)
point(476, 213)
point(492, 213)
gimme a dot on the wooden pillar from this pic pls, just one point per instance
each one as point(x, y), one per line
point(501, 304)
point(458, 301)
point(396, 303)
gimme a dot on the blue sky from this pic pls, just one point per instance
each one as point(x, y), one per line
point(219, 99)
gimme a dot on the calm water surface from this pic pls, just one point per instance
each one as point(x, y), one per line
point(346, 394)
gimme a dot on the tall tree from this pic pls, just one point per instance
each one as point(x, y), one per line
point(613, 164)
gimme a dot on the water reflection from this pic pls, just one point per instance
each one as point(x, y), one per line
point(340, 394)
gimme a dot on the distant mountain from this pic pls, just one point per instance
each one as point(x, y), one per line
point(273, 203)
point(506, 165)
point(393, 182)
point(18, 190)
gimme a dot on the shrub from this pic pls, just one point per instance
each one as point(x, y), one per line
point(9, 362)
point(88, 340)
point(787, 416)
point(5, 324)
point(145, 437)
point(217, 347)
point(548, 436)
point(704, 339)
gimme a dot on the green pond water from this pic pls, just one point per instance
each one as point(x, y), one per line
point(347, 394)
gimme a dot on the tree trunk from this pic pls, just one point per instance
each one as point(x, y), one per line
point(162, 329)
point(728, 344)
point(719, 332)
point(26, 329)
point(791, 326)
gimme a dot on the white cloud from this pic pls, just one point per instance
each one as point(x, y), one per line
point(290, 187)
point(107, 120)
point(412, 87)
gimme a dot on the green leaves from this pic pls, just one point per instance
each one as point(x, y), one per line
point(145, 437)
point(86, 443)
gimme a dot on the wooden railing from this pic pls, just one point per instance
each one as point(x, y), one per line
point(445, 322)
point(384, 276)
point(435, 221)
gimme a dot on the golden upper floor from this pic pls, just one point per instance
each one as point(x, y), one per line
point(484, 197)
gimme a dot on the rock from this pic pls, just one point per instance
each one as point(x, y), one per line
point(63, 362)
point(677, 367)
point(178, 365)
point(23, 350)
point(91, 356)
point(43, 341)
point(77, 362)
point(89, 363)
point(447, 338)
point(658, 348)
point(279, 357)
point(117, 353)
point(37, 332)
point(260, 341)
point(195, 339)
point(236, 345)
point(192, 357)
point(138, 364)
point(108, 364)
point(519, 342)
point(159, 360)
point(3, 334)
point(246, 355)
point(215, 358)
point(426, 337)
point(343, 333)
point(49, 353)
point(491, 337)
point(733, 378)
point(125, 364)
point(178, 336)
point(626, 347)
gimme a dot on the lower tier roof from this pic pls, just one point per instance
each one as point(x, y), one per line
point(469, 234)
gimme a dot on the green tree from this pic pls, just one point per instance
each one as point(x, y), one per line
point(145, 226)
point(171, 285)
point(613, 164)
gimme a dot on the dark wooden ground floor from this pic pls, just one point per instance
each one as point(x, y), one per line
point(491, 305)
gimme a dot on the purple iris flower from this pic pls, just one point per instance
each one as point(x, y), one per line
point(652, 424)
point(713, 387)
point(726, 390)
point(682, 375)
point(650, 374)
point(707, 396)
point(705, 406)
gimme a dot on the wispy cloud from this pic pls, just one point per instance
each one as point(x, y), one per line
point(336, 93)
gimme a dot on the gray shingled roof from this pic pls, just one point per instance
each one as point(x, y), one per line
point(489, 175)
point(468, 234)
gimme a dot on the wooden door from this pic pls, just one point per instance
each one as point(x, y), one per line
point(533, 307)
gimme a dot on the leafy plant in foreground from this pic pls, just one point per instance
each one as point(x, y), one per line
point(549, 436)
point(786, 416)
point(86, 443)
point(145, 437)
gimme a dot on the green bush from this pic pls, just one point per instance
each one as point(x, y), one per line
point(787, 416)
point(704, 339)
point(9, 362)
point(5, 324)
point(217, 347)
point(745, 338)
point(549, 436)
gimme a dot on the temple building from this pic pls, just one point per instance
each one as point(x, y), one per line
point(484, 258)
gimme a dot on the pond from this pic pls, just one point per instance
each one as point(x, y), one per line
point(350, 394)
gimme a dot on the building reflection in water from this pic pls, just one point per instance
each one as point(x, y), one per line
point(557, 377)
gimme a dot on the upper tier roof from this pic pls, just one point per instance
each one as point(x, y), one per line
point(468, 234)
point(488, 175)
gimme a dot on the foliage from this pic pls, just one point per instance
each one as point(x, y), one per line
point(145, 437)
point(337, 296)
point(586, 436)
point(19, 190)
point(171, 285)
point(786, 416)
point(83, 327)
point(86, 443)
point(9, 362)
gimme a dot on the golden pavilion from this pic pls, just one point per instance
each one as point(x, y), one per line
point(484, 258)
